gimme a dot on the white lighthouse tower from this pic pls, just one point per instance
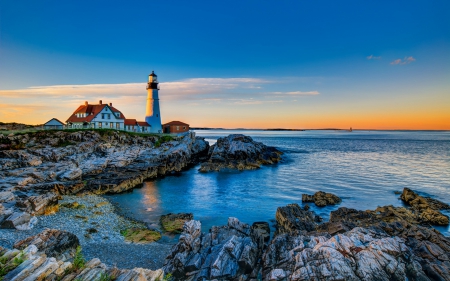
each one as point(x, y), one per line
point(152, 114)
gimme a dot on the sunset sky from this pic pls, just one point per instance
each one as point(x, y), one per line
point(246, 64)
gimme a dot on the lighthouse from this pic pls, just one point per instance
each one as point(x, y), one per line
point(152, 114)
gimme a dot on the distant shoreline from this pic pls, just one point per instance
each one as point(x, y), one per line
point(320, 129)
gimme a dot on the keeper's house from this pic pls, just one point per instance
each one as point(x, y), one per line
point(103, 116)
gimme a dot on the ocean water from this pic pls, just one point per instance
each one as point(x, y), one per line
point(364, 168)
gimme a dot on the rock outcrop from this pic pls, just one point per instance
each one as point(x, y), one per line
point(54, 243)
point(230, 252)
point(38, 167)
point(321, 199)
point(41, 258)
point(428, 209)
point(239, 152)
point(429, 248)
point(292, 218)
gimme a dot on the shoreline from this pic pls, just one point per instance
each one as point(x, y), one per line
point(107, 244)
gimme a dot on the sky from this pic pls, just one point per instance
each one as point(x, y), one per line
point(245, 64)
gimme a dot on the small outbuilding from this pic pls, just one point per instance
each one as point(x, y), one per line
point(175, 127)
point(54, 124)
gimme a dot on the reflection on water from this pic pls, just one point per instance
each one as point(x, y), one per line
point(364, 168)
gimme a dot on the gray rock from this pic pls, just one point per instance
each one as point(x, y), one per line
point(19, 221)
point(228, 252)
point(239, 152)
point(52, 242)
point(321, 199)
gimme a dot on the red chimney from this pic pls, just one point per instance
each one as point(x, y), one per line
point(86, 103)
point(110, 104)
point(100, 101)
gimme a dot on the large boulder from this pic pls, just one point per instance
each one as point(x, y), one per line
point(54, 243)
point(19, 220)
point(225, 253)
point(239, 152)
point(293, 219)
point(321, 199)
point(43, 204)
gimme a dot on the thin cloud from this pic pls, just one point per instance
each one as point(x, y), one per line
point(297, 93)
point(170, 90)
point(372, 57)
point(406, 60)
point(253, 101)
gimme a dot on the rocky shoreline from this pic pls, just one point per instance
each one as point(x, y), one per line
point(40, 176)
point(389, 243)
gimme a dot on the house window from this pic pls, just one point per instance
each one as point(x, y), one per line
point(99, 124)
point(111, 125)
point(103, 115)
point(184, 127)
point(109, 116)
point(157, 115)
point(117, 125)
point(118, 114)
point(178, 128)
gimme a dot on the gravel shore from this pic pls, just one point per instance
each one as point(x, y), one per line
point(98, 227)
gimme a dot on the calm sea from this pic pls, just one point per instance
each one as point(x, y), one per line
point(364, 168)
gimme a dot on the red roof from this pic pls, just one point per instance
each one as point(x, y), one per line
point(176, 123)
point(130, 122)
point(143, 124)
point(92, 110)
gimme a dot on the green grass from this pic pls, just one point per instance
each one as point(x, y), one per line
point(173, 226)
point(105, 277)
point(6, 266)
point(140, 235)
point(79, 261)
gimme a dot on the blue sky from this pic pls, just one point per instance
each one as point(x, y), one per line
point(300, 63)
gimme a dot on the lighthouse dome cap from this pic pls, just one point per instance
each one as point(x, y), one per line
point(153, 74)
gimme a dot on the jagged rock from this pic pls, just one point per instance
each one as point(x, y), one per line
point(261, 230)
point(360, 254)
point(321, 199)
point(71, 175)
point(418, 202)
point(430, 248)
point(239, 152)
point(292, 218)
point(34, 265)
point(39, 205)
point(173, 223)
point(19, 220)
point(54, 243)
point(427, 208)
point(228, 252)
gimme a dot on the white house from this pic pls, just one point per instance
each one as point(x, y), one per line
point(104, 116)
point(96, 116)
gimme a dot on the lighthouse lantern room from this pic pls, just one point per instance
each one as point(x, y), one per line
point(153, 114)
